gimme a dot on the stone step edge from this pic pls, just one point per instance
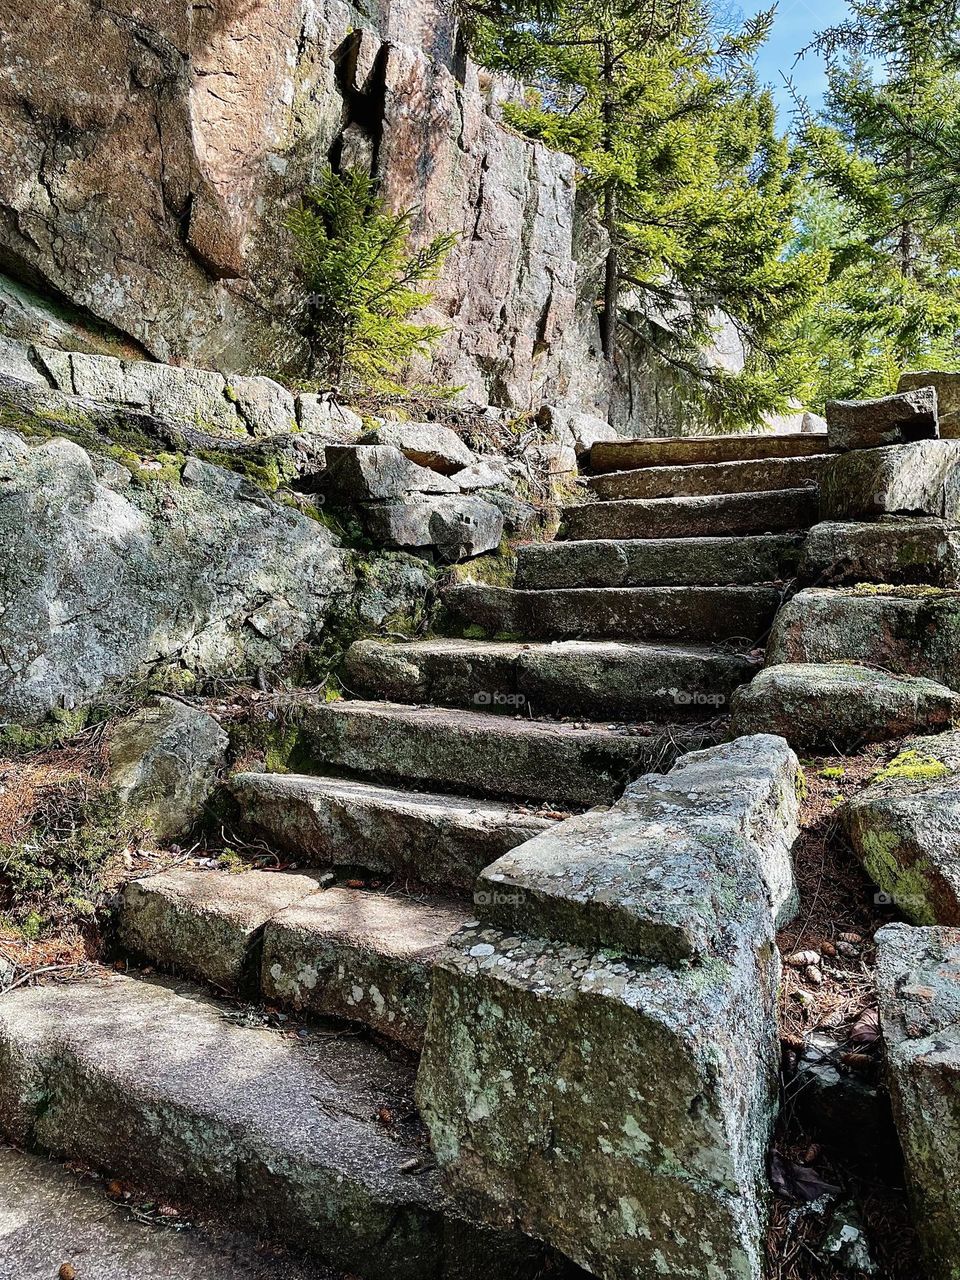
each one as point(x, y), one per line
point(219, 928)
point(400, 834)
point(303, 1140)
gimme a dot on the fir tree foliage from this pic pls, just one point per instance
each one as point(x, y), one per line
point(696, 189)
point(885, 155)
point(365, 285)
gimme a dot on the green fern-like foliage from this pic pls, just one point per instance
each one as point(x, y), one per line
point(365, 284)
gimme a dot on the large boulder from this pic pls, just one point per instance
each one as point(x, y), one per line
point(895, 549)
point(840, 706)
point(905, 828)
point(920, 479)
point(163, 762)
point(909, 630)
point(920, 1017)
point(601, 1058)
point(109, 576)
point(865, 424)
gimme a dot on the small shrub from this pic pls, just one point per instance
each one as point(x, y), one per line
point(364, 283)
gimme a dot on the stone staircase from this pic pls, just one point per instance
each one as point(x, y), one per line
point(615, 653)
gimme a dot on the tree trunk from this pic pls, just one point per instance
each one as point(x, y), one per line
point(611, 283)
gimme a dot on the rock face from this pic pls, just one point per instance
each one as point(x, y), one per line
point(163, 761)
point(920, 1018)
point(154, 156)
point(865, 424)
point(574, 970)
point(920, 479)
point(106, 579)
point(904, 827)
point(838, 706)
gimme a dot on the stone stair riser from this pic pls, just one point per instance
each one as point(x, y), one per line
point(659, 562)
point(709, 479)
point(729, 515)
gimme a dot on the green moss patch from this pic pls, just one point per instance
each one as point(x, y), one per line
point(913, 766)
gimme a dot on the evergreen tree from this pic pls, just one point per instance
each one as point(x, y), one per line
point(694, 187)
point(364, 284)
point(880, 150)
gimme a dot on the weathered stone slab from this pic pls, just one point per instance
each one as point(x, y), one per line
point(658, 562)
point(840, 706)
point(915, 631)
point(488, 754)
point(595, 679)
point(654, 876)
point(359, 955)
point(920, 1017)
point(894, 550)
point(205, 923)
point(536, 1122)
point(157, 1085)
point(163, 762)
point(679, 451)
point(443, 840)
point(897, 419)
point(703, 517)
point(458, 528)
point(52, 1218)
point(378, 472)
point(656, 924)
point(705, 479)
point(905, 828)
point(627, 613)
point(426, 443)
point(921, 479)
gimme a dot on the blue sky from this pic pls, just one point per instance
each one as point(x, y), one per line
point(795, 22)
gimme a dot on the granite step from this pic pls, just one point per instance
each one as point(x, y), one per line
point(659, 562)
point(702, 480)
point(310, 1139)
point(679, 451)
point(595, 679)
point(700, 614)
point(53, 1217)
point(332, 951)
point(725, 515)
point(431, 839)
point(480, 753)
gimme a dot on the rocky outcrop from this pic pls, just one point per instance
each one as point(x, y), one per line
point(640, 936)
point(108, 577)
point(151, 157)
